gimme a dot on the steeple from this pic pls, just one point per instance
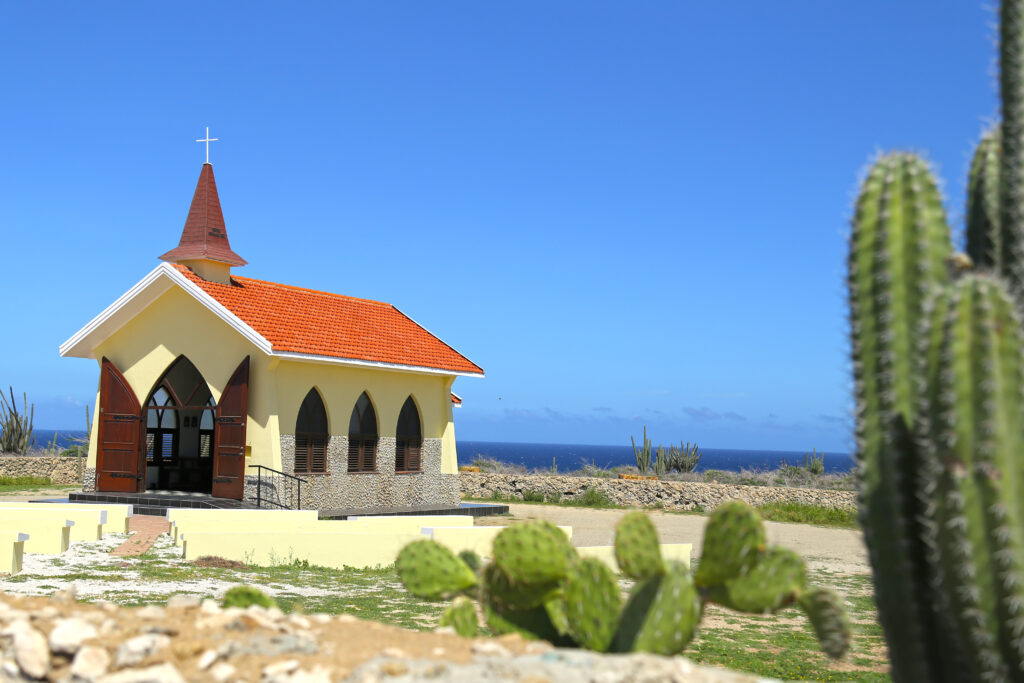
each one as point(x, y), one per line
point(204, 245)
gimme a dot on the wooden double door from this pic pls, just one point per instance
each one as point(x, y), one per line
point(121, 436)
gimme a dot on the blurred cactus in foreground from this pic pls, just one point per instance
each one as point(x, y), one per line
point(16, 428)
point(938, 360)
point(537, 586)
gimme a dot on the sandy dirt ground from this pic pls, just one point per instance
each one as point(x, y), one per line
point(835, 550)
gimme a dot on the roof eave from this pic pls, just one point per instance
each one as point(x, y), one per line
point(356, 362)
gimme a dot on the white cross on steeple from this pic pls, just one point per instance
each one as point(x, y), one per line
point(207, 140)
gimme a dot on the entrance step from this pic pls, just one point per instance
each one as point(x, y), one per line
point(157, 502)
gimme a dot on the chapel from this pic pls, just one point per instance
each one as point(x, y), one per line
point(214, 383)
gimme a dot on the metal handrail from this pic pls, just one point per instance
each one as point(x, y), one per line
point(259, 487)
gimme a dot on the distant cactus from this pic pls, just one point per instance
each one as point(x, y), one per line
point(538, 586)
point(642, 455)
point(814, 463)
point(685, 458)
point(661, 460)
point(16, 428)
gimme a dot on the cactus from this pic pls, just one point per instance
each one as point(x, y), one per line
point(814, 463)
point(636, 547)
point(685, 458)
point(533, 553)
point(16, 428)
point(592, 604)
point(939, 423)
point(461, 616)
point(829, 620)
point(661, 461)
point(642, 455)
point(432, 571)
point(733, 541)
point(983, 236)
point(538, 587)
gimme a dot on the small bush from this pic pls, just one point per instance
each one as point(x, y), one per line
point(244, 596)
point(555, 497)
point(809, 514)
point(593, 498)
point(531, 496)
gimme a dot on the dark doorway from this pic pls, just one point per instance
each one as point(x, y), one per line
point(180, 415)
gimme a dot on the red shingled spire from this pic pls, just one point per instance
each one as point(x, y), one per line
point(205, 236)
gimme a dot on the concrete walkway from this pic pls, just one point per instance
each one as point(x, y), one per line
point(144, 531)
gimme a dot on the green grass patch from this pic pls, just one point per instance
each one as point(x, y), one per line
point(803, 513)
point(590, 498)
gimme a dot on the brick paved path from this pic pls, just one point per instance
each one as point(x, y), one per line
point(145, 529)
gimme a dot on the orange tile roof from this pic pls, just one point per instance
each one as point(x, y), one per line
point(298, 320)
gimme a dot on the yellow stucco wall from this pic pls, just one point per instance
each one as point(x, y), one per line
point(176, 324)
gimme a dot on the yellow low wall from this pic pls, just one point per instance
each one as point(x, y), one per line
point(118, 514)
point(12, 549)
point(242, 523)
point(606, 553)
point(476, 538)
point(45, 536)
point(338, 549)
point(88, 523)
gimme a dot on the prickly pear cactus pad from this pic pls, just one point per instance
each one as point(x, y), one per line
point(774, 582)
point(430, 570)
point(534, 552)
point(504, 592)
point(530, 622)
point(592, 604)
point(673, 614)
point(733, 541)
point(825, 610)
point(637, 550)
point(461, 616)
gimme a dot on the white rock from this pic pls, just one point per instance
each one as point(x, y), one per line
point(209, 606)
point(222, 672)
point(69, 634)
point(300, 621)
point(151, 612)
point(183, 601)
point(321, 618)
point(133, 651)
point(489, 648)
point(346, 618)
point(395, 652)
point(31, 651)
point(67, 595)
point(207, 660)
point(275, 613)
point(90, 663)
point(161, 673)
point(280, 668)
point(317, 675)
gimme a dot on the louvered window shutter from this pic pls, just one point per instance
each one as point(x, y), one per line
point(301, 454)
point(353, 454)
point(400, 456)
point(413, 457)
point(318, 455)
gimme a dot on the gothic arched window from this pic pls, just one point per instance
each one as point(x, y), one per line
point(161, 426)
point(409, 438)
point(311, 435)
point(362, 436)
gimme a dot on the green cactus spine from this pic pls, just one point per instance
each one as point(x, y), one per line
point(637, 551)
point(983, 234)
point(899, 248)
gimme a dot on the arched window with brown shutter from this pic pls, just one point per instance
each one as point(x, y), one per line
point(311, 435)
point(362, 436)
point(409, 438)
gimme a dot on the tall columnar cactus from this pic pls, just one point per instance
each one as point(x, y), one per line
point(900, 245)
point(642, 455)
point(539, 587)
point(938, 361)
point(983, 235)
point(16, 427)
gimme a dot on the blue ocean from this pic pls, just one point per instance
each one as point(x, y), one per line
point(573, 456)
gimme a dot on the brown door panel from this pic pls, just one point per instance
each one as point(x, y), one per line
point(229, 435)
point(122, 434)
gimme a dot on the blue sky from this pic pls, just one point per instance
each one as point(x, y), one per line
point(627, 213)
